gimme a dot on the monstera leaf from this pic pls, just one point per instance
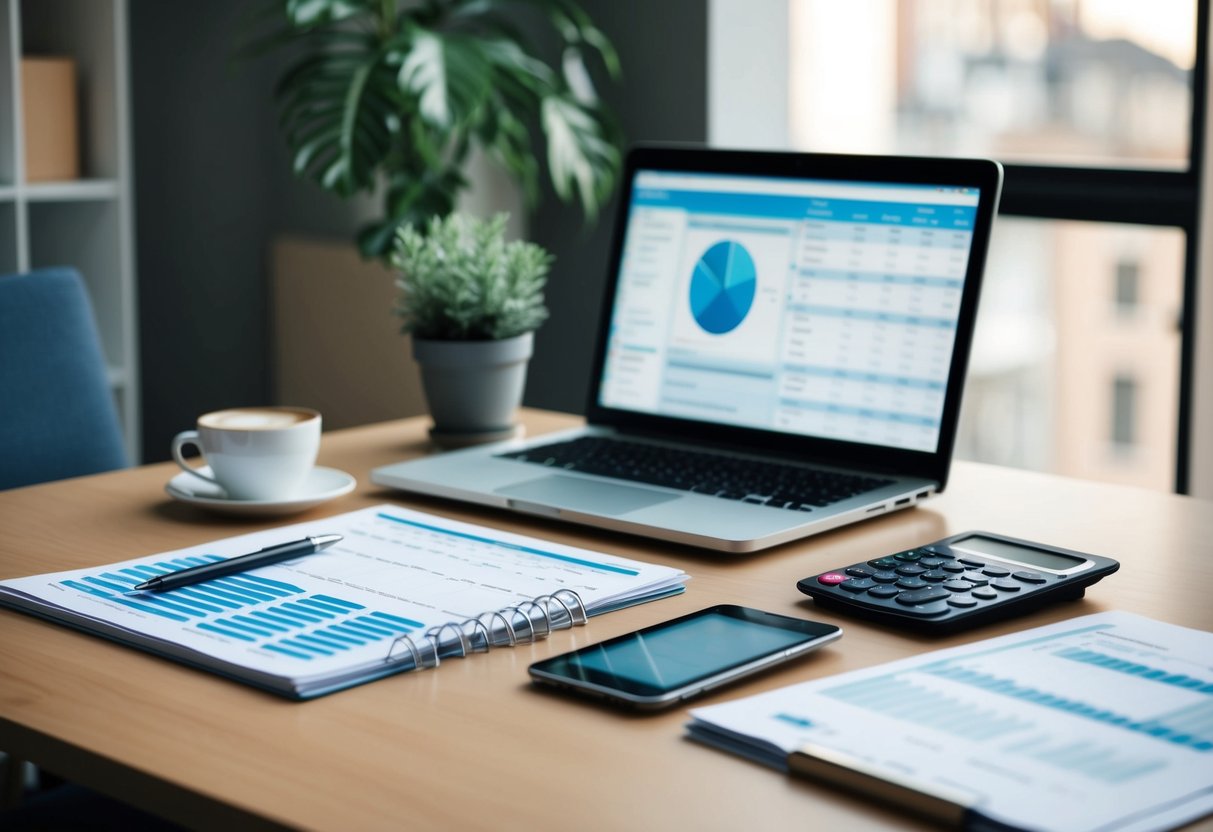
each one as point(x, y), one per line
point(394, 95)
point(449, 74)
point(338, 111)
point(578, 148)
point(305, 13)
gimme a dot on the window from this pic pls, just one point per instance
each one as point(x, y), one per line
point(1095, 109)
point(1125, 287)
point(1050, 346)
point(1124, 411)
point(1097, 82)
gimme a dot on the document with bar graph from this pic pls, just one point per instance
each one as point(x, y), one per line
point(400, 591)
point(1103, 722)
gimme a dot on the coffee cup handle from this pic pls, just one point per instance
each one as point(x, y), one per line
point(189, 437)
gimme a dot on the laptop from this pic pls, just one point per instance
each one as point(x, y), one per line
point(781, 350)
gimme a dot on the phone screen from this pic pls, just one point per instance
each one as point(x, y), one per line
point(671, 656)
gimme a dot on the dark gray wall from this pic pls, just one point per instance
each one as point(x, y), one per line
point(203, 144)
point(212, 188)
point(662, 97)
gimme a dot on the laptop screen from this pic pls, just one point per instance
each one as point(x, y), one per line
point(819, 308)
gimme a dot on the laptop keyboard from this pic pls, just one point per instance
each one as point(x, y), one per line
point(728, 477)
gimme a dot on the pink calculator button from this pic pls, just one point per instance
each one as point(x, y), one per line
point(832, 578)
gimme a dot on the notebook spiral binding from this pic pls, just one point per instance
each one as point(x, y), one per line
point(519, 623)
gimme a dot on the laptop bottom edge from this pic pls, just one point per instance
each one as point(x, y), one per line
point(714, 534)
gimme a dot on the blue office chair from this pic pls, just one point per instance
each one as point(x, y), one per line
point(57, 416)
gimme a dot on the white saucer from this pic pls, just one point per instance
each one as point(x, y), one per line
point(321, 485)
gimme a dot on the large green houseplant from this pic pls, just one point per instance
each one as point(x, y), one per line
point(394, 94)
point(471, 301)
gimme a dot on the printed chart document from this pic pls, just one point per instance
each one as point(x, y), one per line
point(1103, 722)
point(326, 621)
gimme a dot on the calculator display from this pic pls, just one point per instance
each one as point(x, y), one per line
point(1019, 554)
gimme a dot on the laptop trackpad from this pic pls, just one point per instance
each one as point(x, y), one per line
point(585, 495)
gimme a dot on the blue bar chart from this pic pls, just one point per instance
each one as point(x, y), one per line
point(274, 616)
point(1191, 725)
point(902, 698)
point(1144, 671)
point(971, 700)
point(1105, 763)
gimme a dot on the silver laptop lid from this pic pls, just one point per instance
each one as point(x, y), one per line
point(818, 304)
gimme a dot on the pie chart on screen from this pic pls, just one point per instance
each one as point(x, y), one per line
point(722, 287)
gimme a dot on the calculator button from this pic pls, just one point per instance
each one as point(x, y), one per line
point(935, 575)
point(931, 563)
point(952, 567)
point(996, 571)
point(939, 552)
point(884, 563)
point(883, 591)
point(831, 578)
point(910, 556)
point(975, 578)
point(985, 593)
point(910, 570)
point(858, 585)
point(884, 577)
point(925, 596)
point(859, 571)
point(968, 562)
point(927, 610)
point(1005, 585)
point(912, 583)
point(962, 601)
point(958, 586)
point(1030, 577)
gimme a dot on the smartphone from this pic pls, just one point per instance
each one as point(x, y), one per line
point(673, 661)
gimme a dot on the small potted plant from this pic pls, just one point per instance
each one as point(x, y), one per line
point(471, 302)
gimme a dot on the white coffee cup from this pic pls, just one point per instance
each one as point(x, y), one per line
point(254, 453)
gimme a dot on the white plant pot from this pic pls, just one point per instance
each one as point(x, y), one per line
point(473, 388)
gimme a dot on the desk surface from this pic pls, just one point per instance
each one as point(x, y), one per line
point(470, 745)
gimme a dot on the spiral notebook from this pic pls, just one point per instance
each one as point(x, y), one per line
point(402, 591)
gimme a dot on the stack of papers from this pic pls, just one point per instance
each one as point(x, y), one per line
point(1098, 723)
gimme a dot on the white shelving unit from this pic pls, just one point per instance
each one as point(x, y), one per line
point(85, 223)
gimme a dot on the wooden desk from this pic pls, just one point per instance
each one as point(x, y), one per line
point(470, 745)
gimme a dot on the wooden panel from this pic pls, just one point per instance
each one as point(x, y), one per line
point(337, 346)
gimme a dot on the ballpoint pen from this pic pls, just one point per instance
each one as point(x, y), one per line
point(243, 563)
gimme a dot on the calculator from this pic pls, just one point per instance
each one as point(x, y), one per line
point(957, 582)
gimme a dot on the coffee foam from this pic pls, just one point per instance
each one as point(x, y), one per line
point(252, 418)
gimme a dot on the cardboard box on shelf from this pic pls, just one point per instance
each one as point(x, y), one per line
point(51, 120)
